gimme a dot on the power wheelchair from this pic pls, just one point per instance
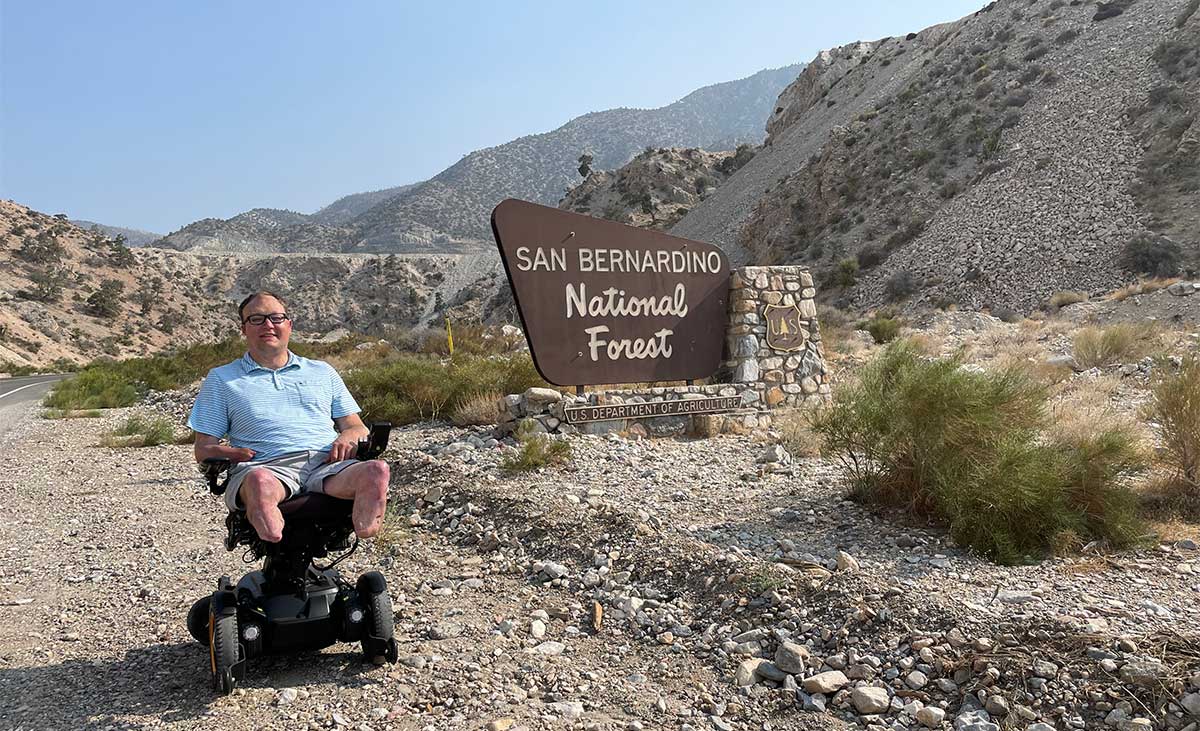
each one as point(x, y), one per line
point(293, 604)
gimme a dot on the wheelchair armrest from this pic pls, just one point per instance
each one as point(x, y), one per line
point(376, 441)
point(212, 468)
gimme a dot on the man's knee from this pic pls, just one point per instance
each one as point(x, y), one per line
point(262, 487)
point(375, 475)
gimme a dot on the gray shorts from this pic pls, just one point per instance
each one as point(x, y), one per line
point(298, 471)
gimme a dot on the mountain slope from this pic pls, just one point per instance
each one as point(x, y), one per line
point(451, 211)
point(457, 202)
point(987, 162)
point(347, 207)
point(133, 236)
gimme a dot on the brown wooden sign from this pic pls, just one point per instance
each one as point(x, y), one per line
point(784, 329)
point(606, 303)
point(579, 414)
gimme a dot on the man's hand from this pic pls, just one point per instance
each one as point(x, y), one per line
point(344, 447)
point(239, 454)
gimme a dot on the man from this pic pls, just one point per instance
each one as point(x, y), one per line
point(293, 427)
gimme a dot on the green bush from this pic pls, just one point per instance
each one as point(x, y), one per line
point(883, 327)
point(536, 450)
point(847, 273)
point(139, 431)
point(975, 451)
point(99, 387)
point(411, 388)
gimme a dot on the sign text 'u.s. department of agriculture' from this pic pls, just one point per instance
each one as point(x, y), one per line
point(606, 303)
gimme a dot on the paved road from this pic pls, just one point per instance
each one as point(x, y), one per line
point(18, 394)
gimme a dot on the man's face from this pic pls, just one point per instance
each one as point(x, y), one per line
point(269, 335)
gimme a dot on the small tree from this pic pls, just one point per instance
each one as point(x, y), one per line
point(585, 165)
point(121, 255)
point(148, 294)
point(47, 285)
point(106, 301)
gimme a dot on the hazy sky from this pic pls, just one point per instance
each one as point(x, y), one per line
point(154, 114)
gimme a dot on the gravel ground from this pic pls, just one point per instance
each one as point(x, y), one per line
point(736, 589)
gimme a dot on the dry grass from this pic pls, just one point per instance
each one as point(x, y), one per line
point(1068, 297)
point(1121, 342)
point(797, 435)
point(1142, 287)
point(478, 409)
point(1172, 507)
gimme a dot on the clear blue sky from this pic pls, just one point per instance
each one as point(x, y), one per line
point(153, 114)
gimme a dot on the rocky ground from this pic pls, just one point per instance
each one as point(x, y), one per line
point(648, 584)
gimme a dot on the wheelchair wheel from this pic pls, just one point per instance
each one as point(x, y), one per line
point(378, 643)
point(197, 619)
point(223, 650)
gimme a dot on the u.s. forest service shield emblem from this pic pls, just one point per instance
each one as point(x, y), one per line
point(785, 330)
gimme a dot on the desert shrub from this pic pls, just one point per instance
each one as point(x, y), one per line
point(899, 285)
point(71, 414)
point(869, 256)
point(1066, 297)
point(1156, 256)
point(1094, 347)
point(1175, 406)
point(798, 437)
point(141, 431)
point(536, 451)
point(411, 388)
point(846, 274)
point(94, 388)
point(974, 449)
point(1066, 36)
point(478, 409)
point(883, 327)
point(1142, 287)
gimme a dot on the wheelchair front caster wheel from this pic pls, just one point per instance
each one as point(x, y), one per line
point(223, 651)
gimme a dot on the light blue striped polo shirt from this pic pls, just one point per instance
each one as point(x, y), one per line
point(272, 412)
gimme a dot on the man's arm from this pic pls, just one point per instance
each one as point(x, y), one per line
point(350, 430)
point(207, 446)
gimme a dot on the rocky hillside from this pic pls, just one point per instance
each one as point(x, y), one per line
point(74, 294)
point(344, 209)
point(989, 161)
point(451, 211)
point(133, 236)
point(656, 188)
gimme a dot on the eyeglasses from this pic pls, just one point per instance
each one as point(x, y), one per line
point(276, 318)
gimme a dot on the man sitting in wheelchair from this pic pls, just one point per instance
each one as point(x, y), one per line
point(292, 425)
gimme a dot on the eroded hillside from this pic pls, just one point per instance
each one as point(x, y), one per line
point(76, 295)
point(986, 162)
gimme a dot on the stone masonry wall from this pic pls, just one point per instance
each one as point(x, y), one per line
point(766, 379)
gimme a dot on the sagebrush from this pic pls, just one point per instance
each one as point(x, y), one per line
point(978, 452)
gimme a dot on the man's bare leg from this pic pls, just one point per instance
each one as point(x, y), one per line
point(261, 492)
point(366, 484)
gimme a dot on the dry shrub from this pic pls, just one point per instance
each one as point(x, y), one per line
point(1121, 342)
point(1175, 406)
point(479, 409)
point(1142, 287)
point(797, 435)
point(1069, 297)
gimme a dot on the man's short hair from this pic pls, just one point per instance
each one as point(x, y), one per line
point(260, 293)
